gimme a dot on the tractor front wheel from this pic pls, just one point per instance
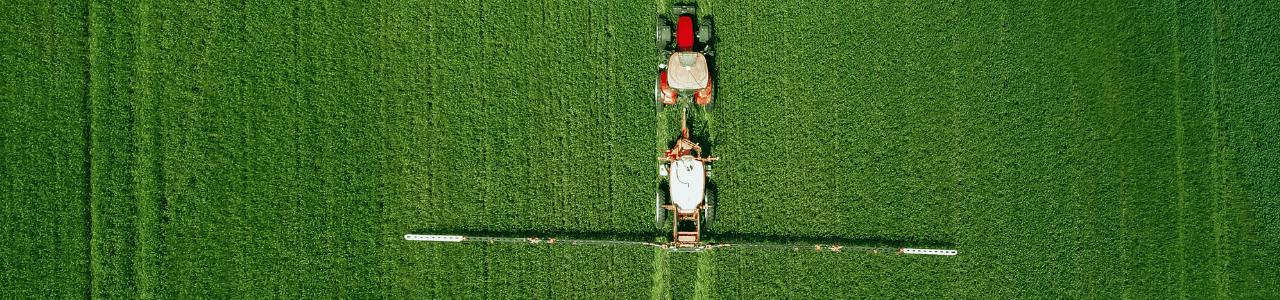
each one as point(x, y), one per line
point(704, 31)
point(663, 34)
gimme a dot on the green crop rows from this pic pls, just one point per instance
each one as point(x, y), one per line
point(232, 149)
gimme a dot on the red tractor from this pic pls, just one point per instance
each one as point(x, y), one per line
point(684, 74)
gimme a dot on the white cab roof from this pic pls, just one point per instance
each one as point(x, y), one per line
point(687, 71)
point(688, 179)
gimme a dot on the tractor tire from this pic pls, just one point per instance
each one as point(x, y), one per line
point(657, 93)
point(659, 214)
point(709, 214)
point(662, 34)
point(704, 31)
point(711, 102)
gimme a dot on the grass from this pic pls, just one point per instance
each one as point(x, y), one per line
point(220, 149)
point(43, 151)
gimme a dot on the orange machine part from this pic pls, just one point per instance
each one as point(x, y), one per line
point(704, 96)
point(668, 94)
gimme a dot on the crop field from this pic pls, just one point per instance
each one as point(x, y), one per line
point(246, 149)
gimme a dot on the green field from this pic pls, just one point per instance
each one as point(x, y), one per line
point(241, 149)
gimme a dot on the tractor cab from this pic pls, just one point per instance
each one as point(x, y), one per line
point(688, 71)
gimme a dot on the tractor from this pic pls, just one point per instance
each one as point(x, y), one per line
point(685, 78)
point(684, 73)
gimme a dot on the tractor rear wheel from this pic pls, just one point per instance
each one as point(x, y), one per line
point(711, 102)
point(659, 214)
point(663, 34)
point(657, 93)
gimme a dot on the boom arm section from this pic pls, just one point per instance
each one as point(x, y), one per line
point(534, 240)
point(530, 240)
point(838, 248)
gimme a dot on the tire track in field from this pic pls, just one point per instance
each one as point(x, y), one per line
point(661, 275)
point(114, 153)
point(144, 159)
point(703, 287)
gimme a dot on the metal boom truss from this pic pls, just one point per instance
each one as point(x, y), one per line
point(534, 240)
